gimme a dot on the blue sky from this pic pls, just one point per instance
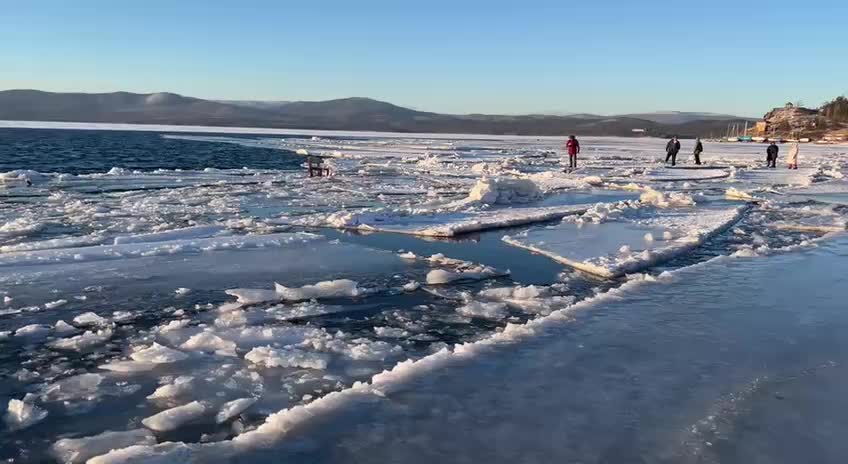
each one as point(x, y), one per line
point(456, 56)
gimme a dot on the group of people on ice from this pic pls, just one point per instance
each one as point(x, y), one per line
point(791, 159)
point(672, 148)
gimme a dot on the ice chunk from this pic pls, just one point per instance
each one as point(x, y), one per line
point(85, 387)
point(441, 276)
point(83, 341)
point(411, 286)
point(157, 354)
point(80, 450)
point(128, 367)
point(171, 326)
point(483, 310)
point(22, 414)
point(736, 194)
point(665, 200)
point(89, 318)
point(182, 291)
point(504, 191)
point(33, 331)
point(233, 408)
point(208, 341)
point(390, 332)
point(180, 386)
point(164, 453)
point(63, 327)
point(287, 357)
point(54, 304)
point(247, 296)
point(326, 289)
point(171, 419)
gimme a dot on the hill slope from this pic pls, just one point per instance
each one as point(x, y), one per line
point(341, 114)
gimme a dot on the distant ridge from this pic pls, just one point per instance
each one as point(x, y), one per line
point(355, 113)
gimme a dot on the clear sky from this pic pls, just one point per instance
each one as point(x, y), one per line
point(597, 56)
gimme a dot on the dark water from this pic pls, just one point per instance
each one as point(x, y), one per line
point(84, 152)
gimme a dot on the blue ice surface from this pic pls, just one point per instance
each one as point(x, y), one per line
point(737, 360)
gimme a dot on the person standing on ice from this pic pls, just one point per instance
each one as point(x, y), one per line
point(699, 148)
point(771, 155)
point(573, 148)
point(671, 149)
point(792, 157)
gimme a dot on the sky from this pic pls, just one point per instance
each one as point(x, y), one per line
point(595, 56)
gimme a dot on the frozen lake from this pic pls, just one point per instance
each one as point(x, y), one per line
point(171, 295)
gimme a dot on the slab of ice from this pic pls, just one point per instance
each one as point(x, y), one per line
point(614, 248)
point(168, 235)
point(438, 224)
point(161, 248)
point(80, 450)
point(174, 418)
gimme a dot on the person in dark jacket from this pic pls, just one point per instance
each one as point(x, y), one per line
point(771, 155)
point(671, 149)
point(699, 148)
point(573, 148)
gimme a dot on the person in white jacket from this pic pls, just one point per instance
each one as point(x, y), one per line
point(792, 157)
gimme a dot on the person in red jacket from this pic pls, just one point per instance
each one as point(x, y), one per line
point(573, 148)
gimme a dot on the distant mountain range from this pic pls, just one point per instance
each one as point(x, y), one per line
point(356, 114)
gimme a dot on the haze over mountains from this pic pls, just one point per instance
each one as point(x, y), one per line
point(342, 114)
